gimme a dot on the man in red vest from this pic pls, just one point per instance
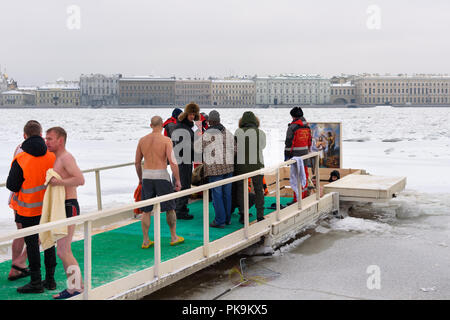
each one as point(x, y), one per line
point(298, 140)
point(26, 179)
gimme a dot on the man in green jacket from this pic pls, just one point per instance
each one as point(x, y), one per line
point(251, 142)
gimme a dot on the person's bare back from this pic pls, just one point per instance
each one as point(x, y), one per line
point(154, 148)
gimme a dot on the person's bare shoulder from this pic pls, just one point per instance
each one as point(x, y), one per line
point(67, 157)
point(144, 138)
point(166, 140)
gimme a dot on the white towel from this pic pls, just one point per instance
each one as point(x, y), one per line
point(53, 209)
point(297, 169)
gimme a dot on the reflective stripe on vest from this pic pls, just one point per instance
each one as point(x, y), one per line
point(33, 190)
point(27, 205)
point(296, 148)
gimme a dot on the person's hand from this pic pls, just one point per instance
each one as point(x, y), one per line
point(55, 182)
point(177, 185)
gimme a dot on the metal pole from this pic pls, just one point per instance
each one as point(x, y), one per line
point(206, 223)
point(157, 236)
point(278, 194)
point(246, 213)
point(316, 158)
point(87, 259)
point(99, 190)
point(299, 189)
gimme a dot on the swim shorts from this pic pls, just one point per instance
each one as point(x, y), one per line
point(72, 208)
point(152, 188)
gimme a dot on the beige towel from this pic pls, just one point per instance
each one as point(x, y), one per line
point(53, 209)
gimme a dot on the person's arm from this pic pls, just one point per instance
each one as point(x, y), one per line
point(75, 178)
point(15, 177)
point(138, 161)
point(309, 141)
point(289, 137)
point(173, 165)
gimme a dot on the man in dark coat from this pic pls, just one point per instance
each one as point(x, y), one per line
point(183, 137)
point(251, 142)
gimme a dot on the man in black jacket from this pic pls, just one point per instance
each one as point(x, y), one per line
point(34, 147)
point(183, 140)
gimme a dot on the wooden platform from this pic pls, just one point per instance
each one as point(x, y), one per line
point(364, 187)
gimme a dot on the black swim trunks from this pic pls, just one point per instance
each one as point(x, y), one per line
point(72, 208)
point(159, 184)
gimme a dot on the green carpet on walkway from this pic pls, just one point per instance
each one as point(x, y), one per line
point(118, 253)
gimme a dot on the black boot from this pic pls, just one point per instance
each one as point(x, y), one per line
point(35, 285)
point(49, 283)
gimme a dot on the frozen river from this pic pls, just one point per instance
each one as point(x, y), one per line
point(407, 239)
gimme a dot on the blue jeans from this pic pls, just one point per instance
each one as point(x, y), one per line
point(221, 197)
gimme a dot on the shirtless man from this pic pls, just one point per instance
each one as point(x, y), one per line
point(72, 177)
point(156, 149)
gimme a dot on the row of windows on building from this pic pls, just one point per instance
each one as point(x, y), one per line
point(292, 91)
point(234, 98)
point(231, 92)
point(57, 94)
point(403, 90)
point(106, 90)
point(146, 88)
point(233, 86)
point(291, 100)
point(63, 101)
point(191, 86)
point(301, 84)
point(405, 100)
point(144, 94)
point(394, 84)
point(342, 92)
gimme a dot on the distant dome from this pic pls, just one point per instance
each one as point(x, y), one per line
point(61, 79)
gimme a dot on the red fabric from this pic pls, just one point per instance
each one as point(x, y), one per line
point(204, 123)
point(170, 120)
point(302, 136)
point(304, 193)
point(138, 197)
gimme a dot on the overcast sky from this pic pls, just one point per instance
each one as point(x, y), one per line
point(40, 40)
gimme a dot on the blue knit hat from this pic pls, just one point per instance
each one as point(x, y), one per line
point(176, 112)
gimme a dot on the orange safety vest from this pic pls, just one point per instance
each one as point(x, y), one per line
point(28, 201)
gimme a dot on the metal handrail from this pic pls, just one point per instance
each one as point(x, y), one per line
point(88, 218)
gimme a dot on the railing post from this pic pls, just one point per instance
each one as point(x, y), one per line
point(316, 158)
point(299, 189)
point(246, 213)
point(99, 190)
point(157, 236)
point(278, 194)
point(206, 223)
point(87, 259)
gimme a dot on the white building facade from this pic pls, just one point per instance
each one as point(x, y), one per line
point(292, 89)
point(99, 89)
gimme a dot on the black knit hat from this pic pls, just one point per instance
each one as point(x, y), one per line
point(296, 112)
point(334, 173)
